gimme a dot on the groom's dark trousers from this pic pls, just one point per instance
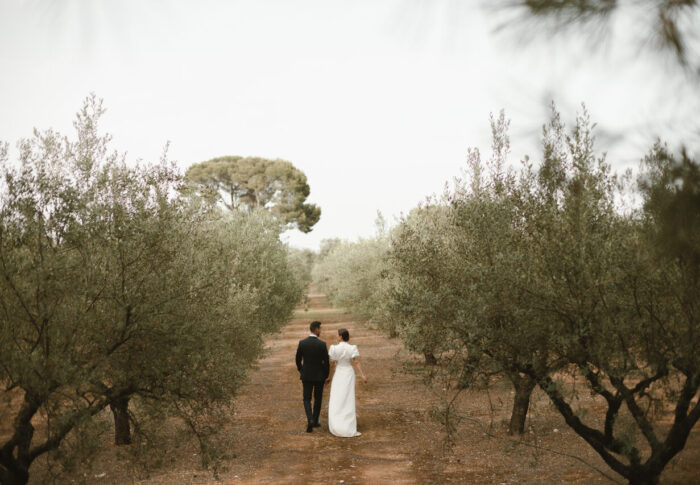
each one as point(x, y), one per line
point(313, 365)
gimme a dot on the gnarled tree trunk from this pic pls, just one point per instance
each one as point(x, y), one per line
point(13, 475)
point(122, 427)
point(523, 385)
point(15, 453)
point(644, 478)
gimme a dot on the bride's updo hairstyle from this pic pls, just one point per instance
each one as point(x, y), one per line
point(344, 334)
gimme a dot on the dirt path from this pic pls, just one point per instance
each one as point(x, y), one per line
point(401, 443)
point(270, 410)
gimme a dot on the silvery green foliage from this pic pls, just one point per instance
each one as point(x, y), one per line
point(119, 285)
point(452, 262)
point(351, 275)
point(419, 302)
point(536, 273)
point(302, 260)
point(616, 309)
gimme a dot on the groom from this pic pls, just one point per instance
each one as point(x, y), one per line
point(313, 366)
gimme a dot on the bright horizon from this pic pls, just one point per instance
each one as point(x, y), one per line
point(375, 101)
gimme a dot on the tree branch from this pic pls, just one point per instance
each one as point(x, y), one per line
point(594, 437)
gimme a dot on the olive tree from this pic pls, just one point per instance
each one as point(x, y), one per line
point(420, 299)
point(118, 285)
point(456, 265)
point(616, 311)
point(545, 275)
point(497, 330)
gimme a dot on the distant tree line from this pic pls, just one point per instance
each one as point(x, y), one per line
point(545, 275)
point(122, 289)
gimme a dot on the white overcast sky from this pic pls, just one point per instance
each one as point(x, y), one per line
point(376, 101)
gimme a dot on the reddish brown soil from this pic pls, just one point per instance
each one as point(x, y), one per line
point(400, 443)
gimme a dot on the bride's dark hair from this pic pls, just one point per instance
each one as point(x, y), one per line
point(344, 334)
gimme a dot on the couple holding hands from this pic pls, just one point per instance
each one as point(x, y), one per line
point(313, 362)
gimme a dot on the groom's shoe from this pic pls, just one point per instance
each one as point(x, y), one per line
point(309, 427)
point(317, 425)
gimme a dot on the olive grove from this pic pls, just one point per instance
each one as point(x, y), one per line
point(350, 274)
point(551, 276)
point(122, 290)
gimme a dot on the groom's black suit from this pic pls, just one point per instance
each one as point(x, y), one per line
point(314, 367)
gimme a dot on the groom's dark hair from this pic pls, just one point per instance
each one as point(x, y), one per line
point(315, 325)
point(344, 334)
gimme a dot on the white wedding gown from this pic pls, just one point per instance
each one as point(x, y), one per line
point(342, 420)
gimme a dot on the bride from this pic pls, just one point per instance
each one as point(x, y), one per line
point(341, 405)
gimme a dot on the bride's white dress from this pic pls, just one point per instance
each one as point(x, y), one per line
point(342, 420)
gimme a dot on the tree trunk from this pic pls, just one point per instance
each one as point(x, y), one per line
point(14, 475)
point(643, 477)
point(523, 385)
point(122, 427)
point(429, 358)
point(15, 457)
